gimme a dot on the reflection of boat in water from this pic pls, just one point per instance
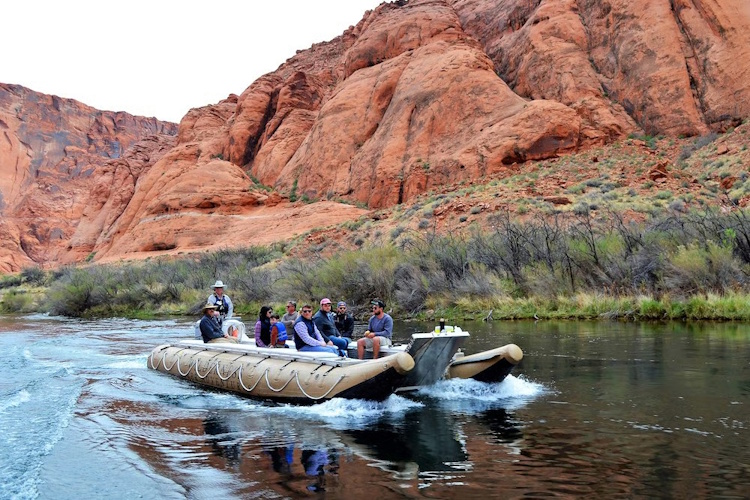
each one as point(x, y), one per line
point(428, 440)
point(298, 449)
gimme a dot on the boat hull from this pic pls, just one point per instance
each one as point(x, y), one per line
point(277, 375)
point(432, 353)
point(487, 366)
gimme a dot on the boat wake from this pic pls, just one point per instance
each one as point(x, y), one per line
point(474, 396)
point(345, 413)
point(14, 400)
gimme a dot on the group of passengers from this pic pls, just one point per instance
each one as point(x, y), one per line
point(325, 331)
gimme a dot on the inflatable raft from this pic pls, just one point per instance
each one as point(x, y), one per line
point(281, 374)
point(449, 362)
point(486, 366)
point(298, 377)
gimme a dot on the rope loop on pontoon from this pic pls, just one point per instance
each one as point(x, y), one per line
point(179, 369)
point(239, 377)
point(164, 362)
point(296, 376)
point(291, 377)
point(210, 368)
point(227, 377)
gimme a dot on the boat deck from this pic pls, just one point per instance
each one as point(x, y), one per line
point(325, 358)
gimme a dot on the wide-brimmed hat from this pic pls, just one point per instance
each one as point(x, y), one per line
point(210, 306)
point(218, 284)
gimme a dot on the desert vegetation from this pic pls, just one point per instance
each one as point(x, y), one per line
point(676, 265)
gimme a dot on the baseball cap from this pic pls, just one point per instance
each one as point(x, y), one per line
point(378, 303)
point(325, 301)
point(341, 303)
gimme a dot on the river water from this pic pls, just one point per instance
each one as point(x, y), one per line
point(613, 410)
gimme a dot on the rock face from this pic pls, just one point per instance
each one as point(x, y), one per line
point(401, 103)
point(53, 151)
point(421, 93)
point(671, 66)
point(418, 95)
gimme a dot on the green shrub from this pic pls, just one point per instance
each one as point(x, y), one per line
point(17, 301)
point(703, 268)
point(664, 195)
point(34, 275)
point(10, 280)
point(72, 295)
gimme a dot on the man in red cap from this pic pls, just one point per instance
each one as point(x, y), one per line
point(323, 319)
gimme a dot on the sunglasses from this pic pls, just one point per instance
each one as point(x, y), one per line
point(306, 310)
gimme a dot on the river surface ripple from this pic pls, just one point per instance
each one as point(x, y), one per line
point(611, 410)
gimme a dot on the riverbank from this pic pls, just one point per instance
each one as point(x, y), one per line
point(582, 306)
point(680, 266)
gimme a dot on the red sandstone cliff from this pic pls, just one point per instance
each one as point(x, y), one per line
point(417, 95)
point(52, 152)
point(421, 93)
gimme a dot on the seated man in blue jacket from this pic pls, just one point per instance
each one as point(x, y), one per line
point(307, 337)
point(210, 329)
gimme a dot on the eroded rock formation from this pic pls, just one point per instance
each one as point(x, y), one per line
point(53, 151)
point(418, 95)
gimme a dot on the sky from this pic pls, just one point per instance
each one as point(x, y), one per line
point(160, 57)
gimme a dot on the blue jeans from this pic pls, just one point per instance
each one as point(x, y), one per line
point(320, 348)
point(341, 343)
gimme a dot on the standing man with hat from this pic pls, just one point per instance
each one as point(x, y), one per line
point(344, 321)
point(223, 303)
point(323, 319)
point(379, 331)
point(210, 330)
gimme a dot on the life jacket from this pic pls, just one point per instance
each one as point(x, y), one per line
point(281, 329)
point(223, 305)
point(298, 342)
